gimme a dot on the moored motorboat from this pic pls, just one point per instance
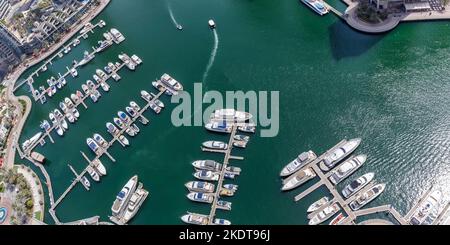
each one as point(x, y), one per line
point(119, 123)
point(100, 140)
point(224, 205)
point(216, 145)
point(302, 160)
point(123, 196)
point(317, 5)
point(171, 83)
point(206, 175)
point(94, 175)
point(325, 214)
point(105, 86)
point(347, 168)
point(112, 129)
point(357, 185)
point(318, 204)
point(211, 24)
point(98, 165)
point(219, 127)
point(207, 165)
point(201, 197)
point(424, 212)
point(221, 222)
point(231, 115)
point(337, 155)
point(298, 179)
point(195, 219)
point(366, 197)
point(93, 146)
point(86, 182)
point(339, 219)
point(200, 186)
point(247, 128)
point(124, 140)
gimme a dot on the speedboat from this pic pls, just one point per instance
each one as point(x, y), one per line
point(91, 84)
point(108, 70)
point(201, 197)
point(171, 83)
point(60, 116)
point(211, 24)
point(76, 42)
point(366, 197)
point(226, 192)
point(108, 36)
point(301, 161)
point(317, 6)
point(58, 84)
point(117, 36)
point(219, 127)
point(240, 144)
point(75, 98)
point(146, 96)
point(234, 170)
point(112, 67)
point(105, 86)
point(179, 27)
point(206, 175)
point(130, 111)
point(100, 73)
point(93, 146)
point(231, 115)
point(51, 91)
point(200, 186)
point(347, 168)
point(112, 129)
point(94, 175)
point(217, 145)
point(135, 106)
point(231, 187)
point(97, 164)
point(136, 59)
point(221, 222)
point(75, 113)
point(127, 61)
point(124, 140)
point(134, 204)
point(123, 196)
point(86, 181)
point(63, 81)
point(130, 132)
point(94, 98)
point(124, 117)
point(338, 219)
point(242, 137)
point(71, 118)
point(318, 204)
point(155, 108)
point(85, 88)
point(69, 103)
point(336, 156)
point(325, 214)
point(135, 128)
point(116, 77)
point(207, 165)
point(79, 94)
point(425, 210)
point(67, 49)
point(73, 72)
point(119, 123)
point(195, 219)
point(97, 78)
point(224, 205)
point(63, 107)
point(298, 179)
point(100, 140)
point(248, 128)
point(357, 185)
point(44, 68)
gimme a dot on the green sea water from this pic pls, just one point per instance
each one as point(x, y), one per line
point(390, 90)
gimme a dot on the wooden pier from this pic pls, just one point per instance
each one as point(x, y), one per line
point(226, 159)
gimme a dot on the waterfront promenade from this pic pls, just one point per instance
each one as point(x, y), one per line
point(36, 188)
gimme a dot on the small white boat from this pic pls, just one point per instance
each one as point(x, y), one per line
point(105, 86)
point(338, 219)
point(206, 175)
point(221, 222)
point(171, 83)
point(124, 140)
point(195, 219)
point(200, 186)
point(366, 197)
point(298, 179)
point(94, 175)
point(318, 204)
point(98, 165)
point(298, 163)
point(211, 24)
point(86, 182)
point(201, 197)
point(325, 214)
point(231, 115)
point(216, 145)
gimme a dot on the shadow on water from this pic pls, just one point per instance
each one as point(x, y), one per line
point(347, 42)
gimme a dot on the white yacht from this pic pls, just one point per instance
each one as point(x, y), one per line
point(201, 197)
point(206, 175)
point(98, 165)
point(339, 154)
point(200, 186)
point(135, 203)
point(318, 204)
point(316, 5)
point(298, 163)
point(325, 214)
point(195, 219)
point(219, 127)
point(207, 165)
point(231, 115)
point(432, 202)
point(357, 185)
point(347, 168)
point(31, 141)
point(366, 197)
point(216, 145)
point(86, 59)
point(117, 36)
point(123, 196)
point(170, 82)
point(298, 179)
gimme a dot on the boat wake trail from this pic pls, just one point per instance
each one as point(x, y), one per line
point(172, 17)
point(213, 55)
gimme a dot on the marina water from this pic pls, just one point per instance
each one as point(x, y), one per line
point(390, 90)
